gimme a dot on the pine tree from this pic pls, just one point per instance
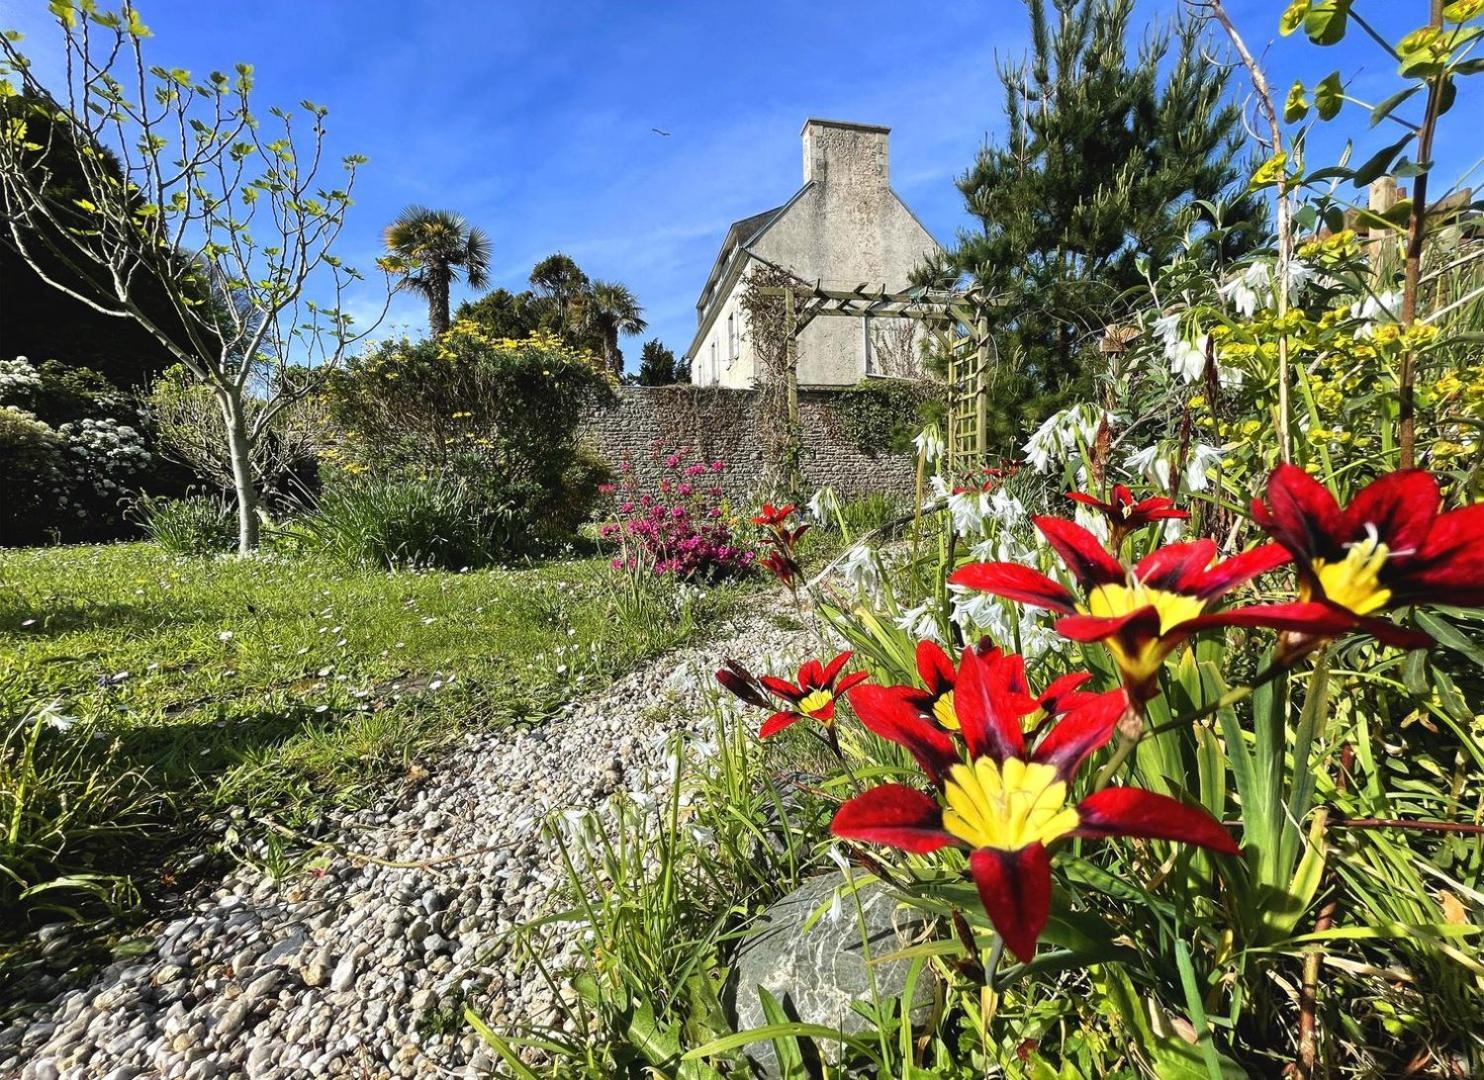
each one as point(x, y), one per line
point(657, 366)
point(1104, 160)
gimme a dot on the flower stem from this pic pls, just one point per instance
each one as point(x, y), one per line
point(1231, 697)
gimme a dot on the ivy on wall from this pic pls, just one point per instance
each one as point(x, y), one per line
point(885, 415)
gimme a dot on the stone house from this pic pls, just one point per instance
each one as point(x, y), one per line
point(844, 227)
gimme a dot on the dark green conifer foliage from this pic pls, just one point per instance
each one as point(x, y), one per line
point(1108, 155)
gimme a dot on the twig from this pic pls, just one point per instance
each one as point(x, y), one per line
point(356, 856)
point(1264, 94)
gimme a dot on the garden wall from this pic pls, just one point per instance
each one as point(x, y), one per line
point(723, 423)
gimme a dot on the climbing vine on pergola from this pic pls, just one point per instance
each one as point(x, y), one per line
point(781, 305)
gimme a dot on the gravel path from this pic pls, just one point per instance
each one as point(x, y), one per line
point(354, 971)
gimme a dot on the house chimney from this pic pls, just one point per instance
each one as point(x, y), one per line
point(839, 152)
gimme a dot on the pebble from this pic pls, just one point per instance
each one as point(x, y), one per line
point(332, 973)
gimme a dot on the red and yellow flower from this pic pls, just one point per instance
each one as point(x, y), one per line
point(1140, 615)
point(1006, 673)
point(1125, 513)
point(1007, 803)
point(812, 697)
point(1389, 548)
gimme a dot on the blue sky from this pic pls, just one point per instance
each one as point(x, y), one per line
point(533, 120)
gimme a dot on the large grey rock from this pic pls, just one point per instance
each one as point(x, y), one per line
point(818, 974)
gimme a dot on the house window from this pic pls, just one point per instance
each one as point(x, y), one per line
point(715, 364)
point(733, 338)
point(866, 357)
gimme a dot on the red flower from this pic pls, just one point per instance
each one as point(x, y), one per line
point(1008, 802)
point(1006, 676)
point(1390, 547)
point(1140, 615)
point(813, 697)
point(782, 566)
point(773, 516)
point(1125, 515)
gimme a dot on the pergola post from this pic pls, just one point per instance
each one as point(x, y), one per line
point(794, 479)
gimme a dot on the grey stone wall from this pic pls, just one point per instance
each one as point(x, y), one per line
point(723, 423)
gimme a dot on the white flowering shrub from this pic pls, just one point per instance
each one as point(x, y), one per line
point(69, 454)
point(104, 456)
point(33, 462)
point(19, 382)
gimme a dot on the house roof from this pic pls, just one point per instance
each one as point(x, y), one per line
point(740, 234)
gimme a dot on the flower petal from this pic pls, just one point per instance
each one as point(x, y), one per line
point(935, 667)
point(1301, 514)
point(1089, 500)
point(1314, 619)
point(1128, 811)
point(883, 710)
point(1086, 728)
point(1449, 567)
point(1015, 889)
point(833, 668)
point(1084, 555)
point(777, 722)
point(1063, 691)
point(735, 678)
point(855, 678)
point(786, 690)
point(1240, 569)
point(990, 728)
point(811, 675)
point(1015, 582)
point(1175, 567)
point(895, 815)
point(1399, 506)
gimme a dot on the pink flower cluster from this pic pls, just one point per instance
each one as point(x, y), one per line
point(679, 529)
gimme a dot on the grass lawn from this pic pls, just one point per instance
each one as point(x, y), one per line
point(161, 691)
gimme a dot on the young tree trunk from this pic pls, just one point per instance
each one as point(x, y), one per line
point(239, 448)
point(438, 305)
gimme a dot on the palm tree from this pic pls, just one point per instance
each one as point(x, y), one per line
point(613, 310)
point(432, 248)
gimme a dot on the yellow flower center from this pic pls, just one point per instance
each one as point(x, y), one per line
point(1112, 601)
point(1007, 807)
point(1354, 582)
point(814, 701)
point(943, 712)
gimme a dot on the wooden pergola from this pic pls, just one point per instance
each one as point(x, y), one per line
point(959, 319)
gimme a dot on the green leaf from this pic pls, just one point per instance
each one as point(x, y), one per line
point(1450, 637)
point(1376, 165)
point(1387, 107)
point(790, 1054)
point(500, 1046)
point(1293, 17)
point(1296, 107)
point(1325, 21)
point(1329, 95)
point(771, 1031)
point(1204, 1040)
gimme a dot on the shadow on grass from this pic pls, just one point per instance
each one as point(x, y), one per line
point(88, 616)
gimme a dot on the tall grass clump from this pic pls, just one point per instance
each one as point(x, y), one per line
point(65, 807)
point(660, 886)
point(390, 523)
point(195, 525)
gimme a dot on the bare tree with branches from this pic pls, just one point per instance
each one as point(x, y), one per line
point(180, 190)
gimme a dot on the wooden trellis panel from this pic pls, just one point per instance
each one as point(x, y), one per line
point(962, 319)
